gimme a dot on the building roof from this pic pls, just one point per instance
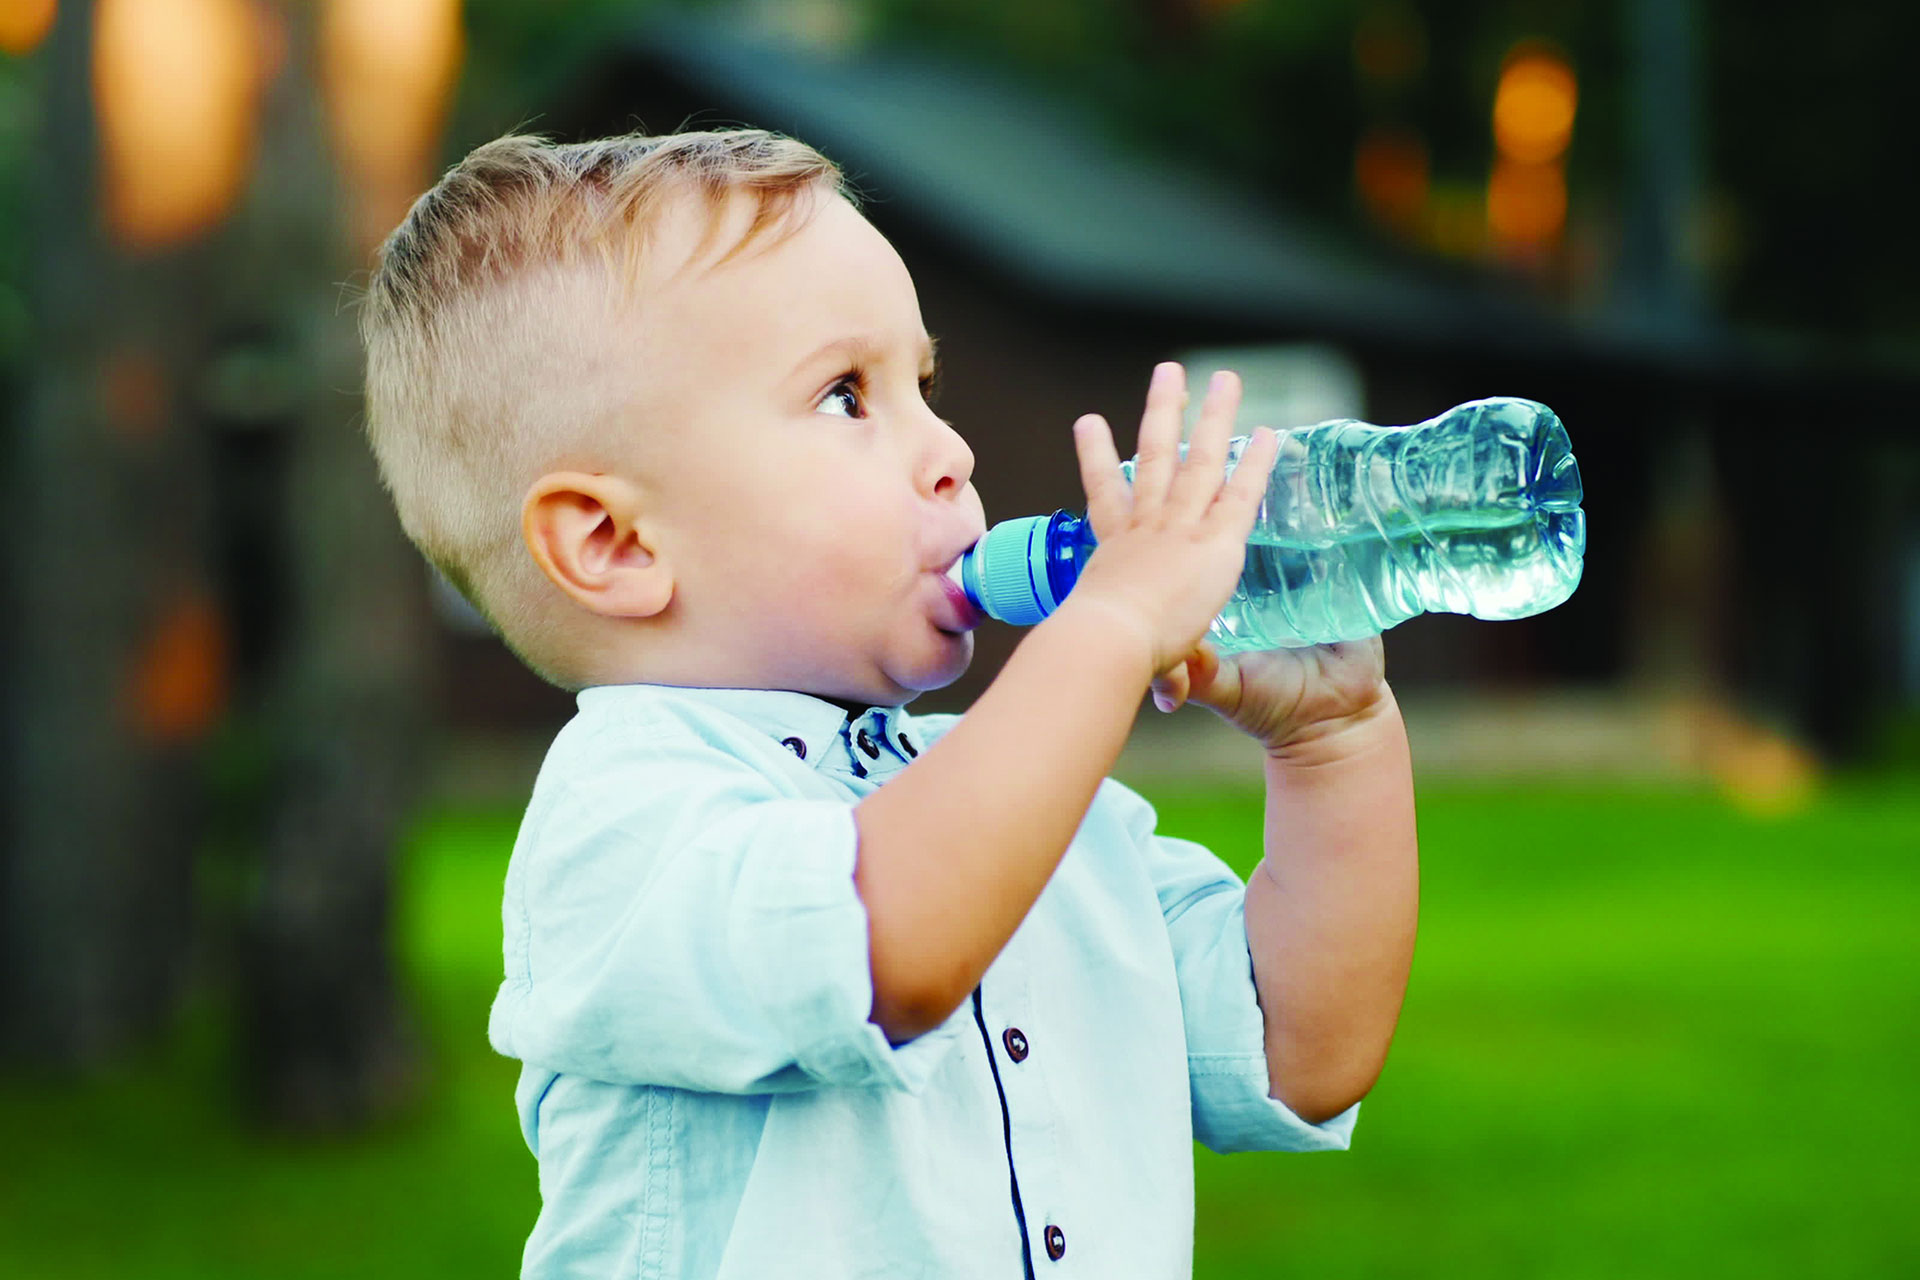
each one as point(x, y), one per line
point(1038, 188)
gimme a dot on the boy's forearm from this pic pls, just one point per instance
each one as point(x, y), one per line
point(954, 851)
point(1332, 910)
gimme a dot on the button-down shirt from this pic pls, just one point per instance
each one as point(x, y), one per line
point(687, 986)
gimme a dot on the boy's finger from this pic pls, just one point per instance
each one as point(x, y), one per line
point(1205, 468)
point(1100, 476)
point(1246, 488)
point(1159, 443)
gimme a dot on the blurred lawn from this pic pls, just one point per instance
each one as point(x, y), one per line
point(1647, 1036)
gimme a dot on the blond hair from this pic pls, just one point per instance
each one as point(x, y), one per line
point(480, 324)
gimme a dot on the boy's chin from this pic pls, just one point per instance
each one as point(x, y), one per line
point(951, 671)
point(901, 685)
point(937, 673)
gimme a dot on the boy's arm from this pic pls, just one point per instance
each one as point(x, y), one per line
point(954, 851)
point(1332, 907)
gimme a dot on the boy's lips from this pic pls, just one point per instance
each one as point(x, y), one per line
point(957, 614)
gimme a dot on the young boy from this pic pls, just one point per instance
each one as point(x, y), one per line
point(804, 985)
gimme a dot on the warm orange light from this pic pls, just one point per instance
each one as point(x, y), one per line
point(24, 24)
point(180, 674)
point(1534, 106)
point(174, 83)
point(387, 70)
point(1526, 203)
point(1390, 168)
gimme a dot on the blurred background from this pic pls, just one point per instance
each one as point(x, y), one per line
point(262, 772)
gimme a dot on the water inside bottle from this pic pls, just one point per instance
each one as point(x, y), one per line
point(1486, 522)
point(1359, 587)
point(1476, 511)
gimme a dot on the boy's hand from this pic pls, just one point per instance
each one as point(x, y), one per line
point(1171, 545)
point(1285, 698)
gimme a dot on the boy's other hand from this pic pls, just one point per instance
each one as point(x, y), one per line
point(1172, 545)
point(1288, 699)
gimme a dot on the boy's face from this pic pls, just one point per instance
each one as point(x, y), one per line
point(806, 498)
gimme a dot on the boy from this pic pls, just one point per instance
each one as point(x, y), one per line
point(804, 985)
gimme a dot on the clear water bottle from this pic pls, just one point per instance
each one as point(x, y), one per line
point(1476, 511)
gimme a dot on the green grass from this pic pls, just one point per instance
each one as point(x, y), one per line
point(1646, 1036)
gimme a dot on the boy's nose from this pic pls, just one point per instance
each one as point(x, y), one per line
point(947, 464)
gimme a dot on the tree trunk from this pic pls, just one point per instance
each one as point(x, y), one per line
point(326, 1043)
point(113, 664)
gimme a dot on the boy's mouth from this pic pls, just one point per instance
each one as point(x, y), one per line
point(958, 613)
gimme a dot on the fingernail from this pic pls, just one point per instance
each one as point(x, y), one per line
point(1219, 380)
point(1163, 702)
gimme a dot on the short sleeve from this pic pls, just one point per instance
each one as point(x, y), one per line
point(672, 918)
point(1203, 903)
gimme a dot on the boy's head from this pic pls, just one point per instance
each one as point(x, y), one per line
point(618, 392)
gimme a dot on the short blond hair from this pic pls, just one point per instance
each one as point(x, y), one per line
point(480, 321)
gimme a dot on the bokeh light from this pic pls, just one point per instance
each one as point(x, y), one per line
point(174, 83)
point(24, 24)
point(1526, 203)
point(1533, 113)
point(180, 672)
point(387, 70)
point(1534, 106)
point(1392, 171)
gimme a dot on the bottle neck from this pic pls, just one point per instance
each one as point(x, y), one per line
point(1070, 541)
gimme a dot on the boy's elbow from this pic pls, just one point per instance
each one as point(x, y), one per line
point(1317, 1108)
point(902, 1024)
point(913, 1011)
point(1317, 1081)
point(1317, 1099)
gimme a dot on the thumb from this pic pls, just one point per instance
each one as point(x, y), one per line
point(1212, 683)
point(1170, 688)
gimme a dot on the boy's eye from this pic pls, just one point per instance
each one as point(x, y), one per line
point(847, 388)
point(851, 387)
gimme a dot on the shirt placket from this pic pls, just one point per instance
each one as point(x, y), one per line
point(878, 747)
point(1020, 1047)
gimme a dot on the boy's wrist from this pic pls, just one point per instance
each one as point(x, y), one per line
point(1324, 742)
point(1102, 626)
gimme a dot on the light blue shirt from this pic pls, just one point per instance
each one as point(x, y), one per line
point(687, 984)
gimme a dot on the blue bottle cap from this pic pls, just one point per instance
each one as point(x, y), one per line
point(1013, 571)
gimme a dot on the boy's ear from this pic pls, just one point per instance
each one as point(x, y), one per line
point(585, 534)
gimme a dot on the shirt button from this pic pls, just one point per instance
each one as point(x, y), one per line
point(1016, 1044)
point(1056, 1242)
point(796, 746)
point(867, 744)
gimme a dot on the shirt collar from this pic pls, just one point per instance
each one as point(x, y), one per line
point(820, 727)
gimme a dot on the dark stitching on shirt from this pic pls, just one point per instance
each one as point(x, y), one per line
point(1006, 1133)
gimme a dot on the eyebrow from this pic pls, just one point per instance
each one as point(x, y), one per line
point(865, 349)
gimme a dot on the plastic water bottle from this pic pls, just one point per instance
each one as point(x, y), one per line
point(1476, 511)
